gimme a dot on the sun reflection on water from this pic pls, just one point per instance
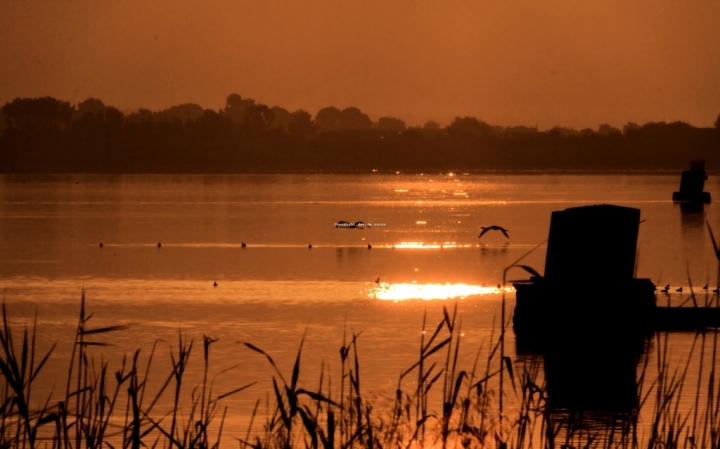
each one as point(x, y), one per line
point(398, 292)
point(434, 245)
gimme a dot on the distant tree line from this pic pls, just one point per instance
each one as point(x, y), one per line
point(46, 135)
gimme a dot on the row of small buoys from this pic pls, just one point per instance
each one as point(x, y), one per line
point(243, 245)
point(159, 245)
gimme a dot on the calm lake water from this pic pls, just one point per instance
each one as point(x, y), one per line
point(277, 290)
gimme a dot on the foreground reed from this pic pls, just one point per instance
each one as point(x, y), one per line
point(437, 403)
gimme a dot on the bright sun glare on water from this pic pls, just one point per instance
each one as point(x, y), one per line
point(397, 292)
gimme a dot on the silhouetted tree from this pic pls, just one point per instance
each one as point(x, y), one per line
point(301, 125)
point(565, 132)
point(353, 118)
point(141, 115)
point(236, 107)
point(431, 125)
point(630, 127)
point(184, 112)
point(520, 130)
point(258, 117)
point(717, 122)
point(328, 119)
point(37, 114)
point(606, 129)
point(91, 105)
point(470, 126)
point(282, 118)
point(391, 124)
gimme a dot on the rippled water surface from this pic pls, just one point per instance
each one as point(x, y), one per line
point(425, 255)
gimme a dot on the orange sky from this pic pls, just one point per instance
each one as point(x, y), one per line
point(574, 63)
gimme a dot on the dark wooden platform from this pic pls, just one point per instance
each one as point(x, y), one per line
point(685, 318)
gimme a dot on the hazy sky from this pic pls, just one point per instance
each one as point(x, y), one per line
point(574, 63)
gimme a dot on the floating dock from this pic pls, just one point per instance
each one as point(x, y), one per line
point(589, 286)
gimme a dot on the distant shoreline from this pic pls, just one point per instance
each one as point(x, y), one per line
point(44, 135)
point(662, 172)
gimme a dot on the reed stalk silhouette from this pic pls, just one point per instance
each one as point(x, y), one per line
point(437, 402)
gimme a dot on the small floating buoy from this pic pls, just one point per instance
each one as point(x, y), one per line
point(214, 284)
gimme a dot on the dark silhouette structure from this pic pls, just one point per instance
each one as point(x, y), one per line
point(692, 184)
point(587, 246)
point(590, 338)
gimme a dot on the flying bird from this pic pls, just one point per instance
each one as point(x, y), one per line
point(493, 228)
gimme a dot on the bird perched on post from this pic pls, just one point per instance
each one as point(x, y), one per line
point(493, 228)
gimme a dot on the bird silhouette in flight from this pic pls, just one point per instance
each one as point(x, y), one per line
point(493, 228)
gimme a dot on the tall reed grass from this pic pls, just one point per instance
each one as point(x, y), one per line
point(437, 402)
